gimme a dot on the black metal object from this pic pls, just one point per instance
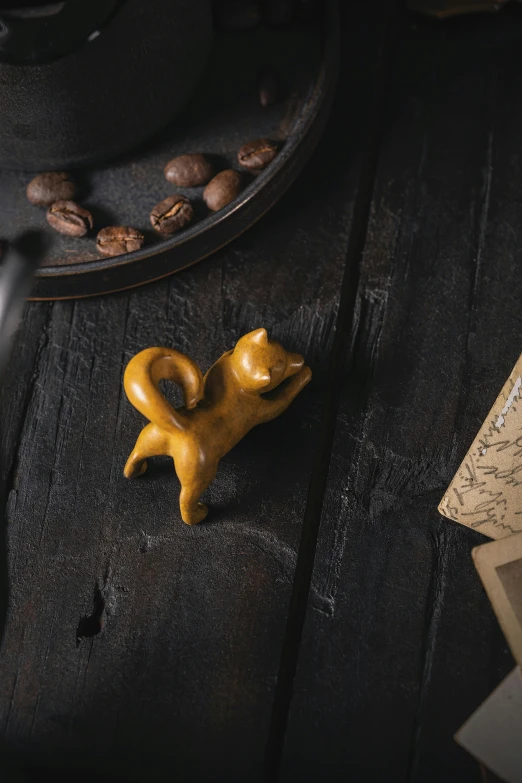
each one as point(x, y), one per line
point(16, 274)
point(223, 114)
point(44, 32)
point(127, 74)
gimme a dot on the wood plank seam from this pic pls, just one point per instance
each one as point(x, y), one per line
point(345, 327)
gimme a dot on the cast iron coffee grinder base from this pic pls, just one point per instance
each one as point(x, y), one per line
point(132, 85)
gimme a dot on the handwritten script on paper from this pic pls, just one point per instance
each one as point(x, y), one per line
point(486, 492)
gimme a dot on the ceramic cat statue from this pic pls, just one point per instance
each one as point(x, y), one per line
point(251, 384)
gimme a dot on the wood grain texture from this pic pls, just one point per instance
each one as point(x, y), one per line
point(400, 644)
point(135, 644)
point(144, 649)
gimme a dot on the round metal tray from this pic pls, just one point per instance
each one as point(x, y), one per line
point(223, 114)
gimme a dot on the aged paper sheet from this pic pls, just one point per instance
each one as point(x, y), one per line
point(499, 564)
point(493, 733)
point(486, 492)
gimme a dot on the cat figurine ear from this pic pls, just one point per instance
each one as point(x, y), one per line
point(258, 336)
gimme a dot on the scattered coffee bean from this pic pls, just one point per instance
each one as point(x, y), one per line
point(116, 240)
point(45, 189)
point(271, 89)
point(255, 155)
point(69, 218)
point(232, 15)
point(189, 171)
point(278, 12)
point(223, 189)
point(171, 214)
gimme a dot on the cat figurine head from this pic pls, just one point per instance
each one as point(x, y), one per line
point(261, 364)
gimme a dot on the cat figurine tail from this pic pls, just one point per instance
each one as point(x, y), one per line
point(141, 379)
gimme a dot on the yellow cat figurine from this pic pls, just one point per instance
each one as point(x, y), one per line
point(238, 392)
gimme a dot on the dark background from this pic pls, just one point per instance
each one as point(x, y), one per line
point(326, 623)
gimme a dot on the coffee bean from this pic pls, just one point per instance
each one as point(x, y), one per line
point(223, 189)
point(53, 186)
point(171, 214)
point(255, 155)
point(116, 240)
point(234, 15)
point(278, 12)
point(69, 218)
point(188, 171)
point(271, 88)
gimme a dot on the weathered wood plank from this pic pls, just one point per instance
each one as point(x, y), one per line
point(400, 644)
point(15, 394)
point(136, 643)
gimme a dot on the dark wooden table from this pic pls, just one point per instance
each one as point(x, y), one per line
point(325, 623)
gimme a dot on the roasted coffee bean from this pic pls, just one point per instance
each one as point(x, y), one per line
point(255, 155)
point(189, 171)
point(271, 88)
point(223, 189)
point(69, 218)
point(116, 240)
point(45, 189)
point(232, 15)
point(278, 12)
point(171, 215)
